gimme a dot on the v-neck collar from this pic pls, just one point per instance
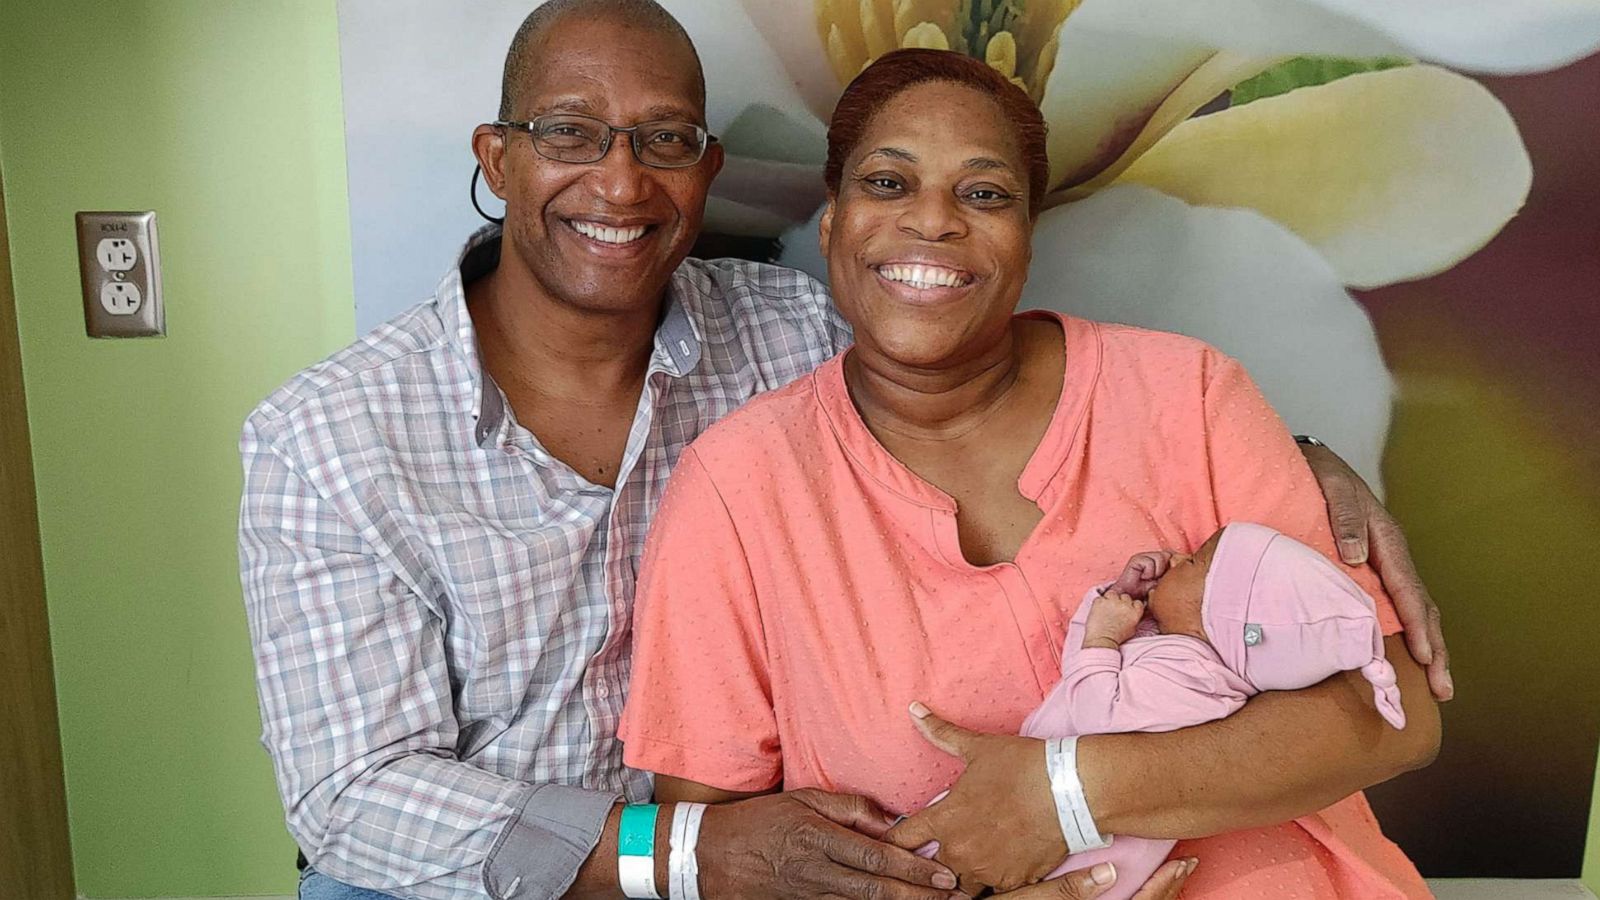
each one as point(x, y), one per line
point(1082, 350)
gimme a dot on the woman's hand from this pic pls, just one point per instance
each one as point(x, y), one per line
point(998, 826)
point(1366, 532)
point(1088, 883)
point(806, 844)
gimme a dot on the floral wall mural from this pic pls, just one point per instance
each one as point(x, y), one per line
point(1273, 176)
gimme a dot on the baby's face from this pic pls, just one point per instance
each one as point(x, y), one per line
point(1175, 600)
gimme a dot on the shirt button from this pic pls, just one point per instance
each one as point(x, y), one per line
point(602, 690)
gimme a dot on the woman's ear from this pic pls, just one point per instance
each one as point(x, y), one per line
point(825, 227)
point(489, 146)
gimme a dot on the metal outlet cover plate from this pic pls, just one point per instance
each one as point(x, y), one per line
point(119, 262)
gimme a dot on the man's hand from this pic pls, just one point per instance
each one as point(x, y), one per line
point(1142, 572)
point(1086, 884)
point(1112, 619)
point(1365, 531)
point(998, 826)
point(805, 844)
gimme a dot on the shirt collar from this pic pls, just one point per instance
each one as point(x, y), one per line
point(678, 338)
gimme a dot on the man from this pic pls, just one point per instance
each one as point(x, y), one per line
point(441, 524)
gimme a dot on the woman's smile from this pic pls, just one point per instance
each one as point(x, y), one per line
point(924, 282)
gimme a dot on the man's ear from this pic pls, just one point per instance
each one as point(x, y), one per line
point(825, 227)
point(715, 158)
point(489, 146)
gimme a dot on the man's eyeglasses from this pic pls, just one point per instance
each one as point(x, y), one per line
point(584, 139)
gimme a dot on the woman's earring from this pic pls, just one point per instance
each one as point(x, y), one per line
point(473, 191)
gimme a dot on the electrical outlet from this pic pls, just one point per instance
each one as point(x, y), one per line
point(120, 298)
point(120, 264)
point(116, 254)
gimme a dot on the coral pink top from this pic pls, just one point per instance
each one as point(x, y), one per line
point(801, 587)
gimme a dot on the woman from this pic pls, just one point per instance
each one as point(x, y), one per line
point(918, 519)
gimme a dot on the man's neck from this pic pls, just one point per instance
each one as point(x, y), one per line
point(532, 339)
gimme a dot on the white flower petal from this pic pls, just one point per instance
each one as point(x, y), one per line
point(790, 30)
point(1236, 280)
point(1217, 74)
point(1392, 175)
point(741, 69)
point(1501, 36)
point(1104, 87)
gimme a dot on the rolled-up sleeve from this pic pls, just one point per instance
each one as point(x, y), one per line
point(693, 713)
point(356, 713)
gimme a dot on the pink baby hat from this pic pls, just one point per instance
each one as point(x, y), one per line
point(1283, 617)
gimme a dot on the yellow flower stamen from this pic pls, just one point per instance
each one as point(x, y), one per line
point(1002, 54)
point(926, 36)
point(877, 26)
point(1017, 37)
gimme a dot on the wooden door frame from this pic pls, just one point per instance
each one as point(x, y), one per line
point(35, 853)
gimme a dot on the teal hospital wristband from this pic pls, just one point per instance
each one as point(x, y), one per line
point(636, 851)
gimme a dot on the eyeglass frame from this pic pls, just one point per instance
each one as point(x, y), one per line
point(611, 133)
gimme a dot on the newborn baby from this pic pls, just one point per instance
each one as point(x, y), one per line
point(1252, 610)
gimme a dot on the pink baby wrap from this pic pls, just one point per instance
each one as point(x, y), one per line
point(1280, 616)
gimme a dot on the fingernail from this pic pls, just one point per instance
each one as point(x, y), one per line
point(1350, 549)
point(1449, 685)
point(918, 710)
point(1189, 865)
point(944, 881)
point(1105, 873)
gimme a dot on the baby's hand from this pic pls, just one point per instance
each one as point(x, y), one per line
point(1112, 619)
point(1142, 573)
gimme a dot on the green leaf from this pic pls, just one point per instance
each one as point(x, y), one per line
point(1305, 71)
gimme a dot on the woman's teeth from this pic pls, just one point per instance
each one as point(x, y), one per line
point(922, 277)
point(607, 235)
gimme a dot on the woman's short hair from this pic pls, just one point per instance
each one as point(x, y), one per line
point(894, 72)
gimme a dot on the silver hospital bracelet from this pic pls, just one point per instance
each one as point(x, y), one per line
point(1072, 808)
point(683, 870)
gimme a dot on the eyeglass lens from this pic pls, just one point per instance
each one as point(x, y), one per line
point(580, 139)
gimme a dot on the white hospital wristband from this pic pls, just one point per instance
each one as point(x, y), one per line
point(1072, 808)
point(683, 869)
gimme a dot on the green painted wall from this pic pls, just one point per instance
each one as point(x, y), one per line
point(225, 118)
point(1591, 858)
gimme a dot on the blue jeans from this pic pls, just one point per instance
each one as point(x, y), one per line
point(316, 886)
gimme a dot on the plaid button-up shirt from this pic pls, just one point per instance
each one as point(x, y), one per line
point(440, 609)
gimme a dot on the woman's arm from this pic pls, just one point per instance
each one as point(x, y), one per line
point(709, 718)
point(681, 790)
point(1080, 885)
point(1284, 755)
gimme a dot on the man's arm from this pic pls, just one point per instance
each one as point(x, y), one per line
point(1366, 532)
point(357, 716)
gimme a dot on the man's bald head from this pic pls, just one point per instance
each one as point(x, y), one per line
point(522, 60)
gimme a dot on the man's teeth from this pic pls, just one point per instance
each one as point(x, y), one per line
point(608, 235)
point(925, 276)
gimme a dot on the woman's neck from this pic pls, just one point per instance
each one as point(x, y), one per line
point(934, 404)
